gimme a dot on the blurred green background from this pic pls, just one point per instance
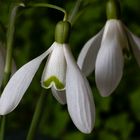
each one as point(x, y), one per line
point(117, 116)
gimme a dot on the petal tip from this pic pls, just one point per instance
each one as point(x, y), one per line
point(87, 130)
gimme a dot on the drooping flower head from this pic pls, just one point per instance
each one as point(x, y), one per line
point(105, 51)
point(62, 75)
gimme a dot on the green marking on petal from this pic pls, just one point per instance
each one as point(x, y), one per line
point(55, 80)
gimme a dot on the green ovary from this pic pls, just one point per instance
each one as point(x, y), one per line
point(56, 81)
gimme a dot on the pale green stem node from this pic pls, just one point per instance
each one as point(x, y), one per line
point(62, 32)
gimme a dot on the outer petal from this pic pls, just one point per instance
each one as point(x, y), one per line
point(54, 73)
point(135, 44)
point(19, 83)
point(88, 54)
point(109, 63)
point(79, 96)
point(60, 96)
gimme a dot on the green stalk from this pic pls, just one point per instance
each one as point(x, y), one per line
point(75, 10)
point(51, 6)
point(36, 117)
point(78, 10)
point(8, 63)
point(2, 127)
point(9, 43)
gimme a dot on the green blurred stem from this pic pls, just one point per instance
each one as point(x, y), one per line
point(51, 6)
point(8, 63)
point(75, 10)
point(9, 43)
point(36, 117)
point(2, 127)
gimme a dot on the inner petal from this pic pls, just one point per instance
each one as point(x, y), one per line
point(54, 73)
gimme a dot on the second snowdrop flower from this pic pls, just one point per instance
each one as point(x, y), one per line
point(104, 52)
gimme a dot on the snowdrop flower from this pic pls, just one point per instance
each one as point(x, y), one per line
point(62, 74)
point(104, 52)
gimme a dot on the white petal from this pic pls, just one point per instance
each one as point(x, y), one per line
point(19, 83)
point(79, 96)
point(60, 96)
point(88, 54)
point(135, 44)
point(55, 69)
point(109, 62)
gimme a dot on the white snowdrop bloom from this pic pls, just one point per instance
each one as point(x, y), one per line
point(63, 76)
point(104, 53)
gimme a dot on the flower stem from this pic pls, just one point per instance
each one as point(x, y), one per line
point(36, 117)
point(8, 63)
point(51, 6)
point(10, 35)
point(2, 127)
point(75, 10)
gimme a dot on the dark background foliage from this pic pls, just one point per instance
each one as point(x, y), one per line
point(117, 116)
